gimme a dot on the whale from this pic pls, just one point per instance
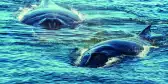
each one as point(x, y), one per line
point(110, 52)
point(51, 16)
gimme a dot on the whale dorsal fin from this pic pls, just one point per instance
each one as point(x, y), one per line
point(151, 37)
point(46, 3)
point(146, 33)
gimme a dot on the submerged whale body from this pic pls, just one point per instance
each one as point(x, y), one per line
point(109, 52)
point(51, 16)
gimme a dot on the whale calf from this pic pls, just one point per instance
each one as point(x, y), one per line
point(109, 52)
point(51, 16)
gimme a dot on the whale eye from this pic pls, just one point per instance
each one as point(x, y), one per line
point(51, 24)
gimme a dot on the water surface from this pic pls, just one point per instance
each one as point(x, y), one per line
point(30, 55)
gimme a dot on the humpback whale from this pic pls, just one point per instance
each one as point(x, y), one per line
point(51, 16)
point(109, 52)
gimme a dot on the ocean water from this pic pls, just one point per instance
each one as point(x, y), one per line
point(31, 55)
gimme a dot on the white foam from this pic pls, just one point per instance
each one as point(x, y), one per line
point(145, 51)
point(78, 60)
point(24, 11)
point(111, 61)
point(81, 16)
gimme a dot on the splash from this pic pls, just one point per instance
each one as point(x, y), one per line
point(146, 50)
point(81, 16)
point(24, 11)
point(111, 61)
point(78, 60)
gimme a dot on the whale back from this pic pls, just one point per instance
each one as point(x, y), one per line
point(99, 54)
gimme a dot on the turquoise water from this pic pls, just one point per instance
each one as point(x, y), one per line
point(30, 55)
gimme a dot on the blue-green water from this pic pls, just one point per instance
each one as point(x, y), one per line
point(30, 55)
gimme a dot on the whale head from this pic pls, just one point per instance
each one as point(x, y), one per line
point(93, 59)
point(86, 58)
point(51, 16)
